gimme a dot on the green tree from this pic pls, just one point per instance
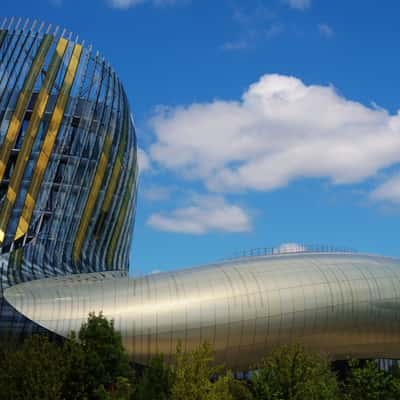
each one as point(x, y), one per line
point(93, 365)
point(156, 381)
point(75, 386)
point(239, 390)
point(193, 373)
point(368, 382)
point(395, 370)
point(34, 372)
point(105, 359)
point(292, 373)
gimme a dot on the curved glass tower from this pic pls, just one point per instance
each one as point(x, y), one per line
point(68, 176)
point(67, 158)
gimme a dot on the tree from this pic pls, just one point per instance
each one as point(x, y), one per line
point(292, 373)
point(239, 390)
point(35, 372)
point(105, 359)
point(192, 374)
point(156, 381)
point(368, 382)
point(75, 386)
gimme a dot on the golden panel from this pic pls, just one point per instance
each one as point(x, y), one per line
point(22, 103)
point(48, 143)
point(92, 197)
point(30, 136)
point(112, 184)
point(120, 220)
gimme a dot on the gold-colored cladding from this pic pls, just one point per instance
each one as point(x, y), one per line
point(116, 171)
point(48, 143)
point(92, 198)
point(30, 136)
point(22, 103)
point(121, 218)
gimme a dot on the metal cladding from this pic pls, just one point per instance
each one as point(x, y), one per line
point(68, 176)
point(67, 157)
point(68, 167)
point(342, 304)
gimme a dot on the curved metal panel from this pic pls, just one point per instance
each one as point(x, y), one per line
point(342, 304)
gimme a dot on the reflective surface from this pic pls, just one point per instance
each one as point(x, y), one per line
point(67, 157)
point(343, 304)
point(68, 169)
point(68, 179)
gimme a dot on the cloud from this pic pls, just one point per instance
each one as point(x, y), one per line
point(157, 193)
point(253, 16)
point(255, 25)
point(280, 130)
point(239, 44)
point(325, 30)
point(123, 4)
point(207, 213)
point(299, 4)
point(389, 191)
point(251, 37)
point(143, 160)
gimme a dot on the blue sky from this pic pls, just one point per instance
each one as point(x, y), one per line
point(259, 122)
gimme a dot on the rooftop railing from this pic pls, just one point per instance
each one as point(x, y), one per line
point(289, 248)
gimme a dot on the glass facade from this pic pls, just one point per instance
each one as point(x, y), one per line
point(68, 167)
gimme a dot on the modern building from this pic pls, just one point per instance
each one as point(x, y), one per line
point(67, 202)
point(67, 160)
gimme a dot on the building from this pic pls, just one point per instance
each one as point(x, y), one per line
point(68, 188)
point(67, 161)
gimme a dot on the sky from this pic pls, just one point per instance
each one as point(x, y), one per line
point(259, 122)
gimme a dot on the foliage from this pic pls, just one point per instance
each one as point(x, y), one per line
point(105, 357)
point(368, 382)
point(34, 372)
point(94, 365)
point(239, 390)
point(192, 373)
point(292, 373)
point(74, 386)
point(156, 381)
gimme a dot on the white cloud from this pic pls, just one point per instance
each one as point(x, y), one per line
point(299, 4)
point(325, 30)
point(207, 213)
point(280, 130)
point(133, 3)
point(255, 26)
point(143, 160)
point(389, 191)
point(157, 193)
